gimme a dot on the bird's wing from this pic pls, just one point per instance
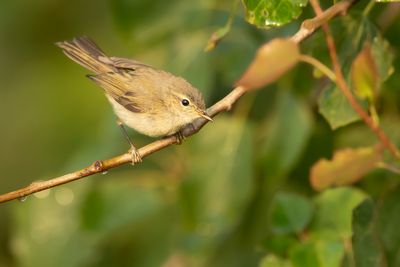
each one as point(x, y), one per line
point(136, 86)
point(123, 63)
point(119, 88)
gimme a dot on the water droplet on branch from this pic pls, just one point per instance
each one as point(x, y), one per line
point(22, 199)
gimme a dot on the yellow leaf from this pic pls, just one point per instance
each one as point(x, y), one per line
point(364, 75)
point(346, 167)
point(271, 62)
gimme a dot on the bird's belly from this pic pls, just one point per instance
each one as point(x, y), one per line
point(153, 125)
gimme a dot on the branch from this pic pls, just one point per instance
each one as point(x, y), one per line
point(310, 25)
point(341, 82)
point(307, 28)
point(100, 166)
point(318, 65)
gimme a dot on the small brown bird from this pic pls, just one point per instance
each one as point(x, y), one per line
point(151, 101)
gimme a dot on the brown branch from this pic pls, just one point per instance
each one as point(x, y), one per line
point(310, 25)
point(341, 82)
point(307, 28)
point(100, 166)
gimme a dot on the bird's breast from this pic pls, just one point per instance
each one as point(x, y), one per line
point(153, 125)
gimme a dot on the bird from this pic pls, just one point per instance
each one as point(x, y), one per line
point(151, 101)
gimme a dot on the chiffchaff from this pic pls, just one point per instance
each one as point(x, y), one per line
point(151, 101)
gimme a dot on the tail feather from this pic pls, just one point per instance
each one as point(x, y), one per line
point(85, 52)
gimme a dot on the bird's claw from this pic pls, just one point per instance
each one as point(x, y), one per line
point(135, 156)
point(179, 138)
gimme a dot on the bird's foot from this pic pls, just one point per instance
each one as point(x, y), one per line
point(179, 138)
point(135, 155)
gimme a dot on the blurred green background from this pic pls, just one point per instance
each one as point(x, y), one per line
point(230, 195)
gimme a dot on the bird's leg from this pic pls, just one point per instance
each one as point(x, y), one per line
point(179, 137)
point(136, 158)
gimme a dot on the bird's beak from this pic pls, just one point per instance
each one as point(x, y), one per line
point(205, 115)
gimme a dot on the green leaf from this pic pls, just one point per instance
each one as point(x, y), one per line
point(272, 13)
point(219, 34)
point(333, 212)
point(367, 251)
point(304, 255)
point(279, 244)
point(383, 57)
point(330, 252)
point(290, 213)
point(355, 32)
point(335, 108)
point(388, 221)
point(318, 253)
point(274, 261)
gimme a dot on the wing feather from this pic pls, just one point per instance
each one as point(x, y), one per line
point(117, 87)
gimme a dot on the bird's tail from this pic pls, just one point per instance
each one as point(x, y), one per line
point(85, 52)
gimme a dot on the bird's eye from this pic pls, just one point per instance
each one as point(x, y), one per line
point(185, 102)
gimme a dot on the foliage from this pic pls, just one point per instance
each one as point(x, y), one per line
point(292, 177)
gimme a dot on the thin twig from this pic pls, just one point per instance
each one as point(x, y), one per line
point(100, 166)
point(368, 8)
point(310, 25)
point(307, 28)
point(318, 65)
point(341, 82)
point(389, 167)
point(222, 32)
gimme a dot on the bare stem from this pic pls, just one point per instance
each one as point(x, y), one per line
point(369, 7)
point(310, 25)
point(389, 167)
point(340, 81)
point(307, 28)
point(319, 65)
point(100, 166)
